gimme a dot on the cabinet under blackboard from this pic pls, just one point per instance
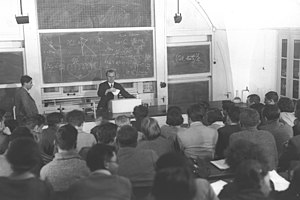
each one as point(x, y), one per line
point(85, 56)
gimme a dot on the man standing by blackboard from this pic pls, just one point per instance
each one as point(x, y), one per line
point(107, 90)
point(25, 104)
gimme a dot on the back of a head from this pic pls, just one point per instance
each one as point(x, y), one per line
point(66, 137)
point(286, 104)
point(98, 155)
point(214, 115)
point(173, 159)
point(234, 114)
point(122, 120)
point(271, 112)
point(174, 184)
point(2, 114)
point(105, 133)
point(127, 136)
point(20, 132)
point(54, 118)
point(23, 154)
point(140, 112)
point(33, 121)
point(150, 128)
point(12, 124)
point(226, 104)
point(271, 97)
point(253, 98)
point(25, 79)
point(174, 116)
point(249, 117)
point(75, 118)
point(196, 112)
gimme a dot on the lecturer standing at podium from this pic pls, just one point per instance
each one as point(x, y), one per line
point(106, 92)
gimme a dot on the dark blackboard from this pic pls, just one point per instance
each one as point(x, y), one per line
point(188, 59)
point(188, 93)
point(11, 67)
point(67, 14)
point(85, 56)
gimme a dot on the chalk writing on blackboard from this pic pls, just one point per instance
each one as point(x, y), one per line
point(85, 56)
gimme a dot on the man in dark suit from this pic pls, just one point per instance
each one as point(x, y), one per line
point(106, 92)
point(25, 104)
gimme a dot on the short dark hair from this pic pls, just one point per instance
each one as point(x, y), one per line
point(253, 98)
point(226, 104)
point(54, 118)
point(2, 114)
point(66, 137)
point(110, 71)
point(34, 120)
point(271, 112)
point(127, 136)
point(234, 114)
point(286, 104)
point(105, 133)
point(23, 154)
point(75, 117)
point(25, 79)
point(214, 115)
point(98, 154)
point(272, 95)
point(12, 124)
point(172, 159)
point(150, 128)
point(140, 112)
point(20, 132)
point(122, 120)
point(196, 112)
point(174, 116)
point(249, 117)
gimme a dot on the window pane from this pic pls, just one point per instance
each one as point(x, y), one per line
point(284, 48)
point(283, 87)
point(295, 89)
point(296, 69)
point(283, 67)
point(297, 49)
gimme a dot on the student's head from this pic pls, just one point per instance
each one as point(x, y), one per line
point(233, 114)
point(285, 104)
point(253, 99)
point(213, 115)
point(54, 119)
point(105, 133)
point(242, 150)
point(75, 118)
point(2, 119)
point(66, 137)
point(174, 116)
point(140, 112)
point(102, 156)
point(35, 123)
point(173, 159)
point(26, 82)
point(249, 118)
point(271, 112)
point(174, 183)
point(196, 112)
point(297, 109)
point(150, 128)
point(110, 75)
point(251, 174)
point(226, 104)
point(271, 97)
point(127, 136)
point(12, 124)
point(19, 132)
point(258, 107)
point(23, 155)
point(122, 120)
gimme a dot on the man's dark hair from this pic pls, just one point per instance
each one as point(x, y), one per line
point(2, 113)
point(249, 117)
point(23, 155)
point(54, 118)
point(253, 98)
point(173, 159)
point(174, 116)
point(140, 112)
point(34, 120)
point(110, 71)
point(66, 137)
point(271, 112)
point(286, 104)
point(12, 124)
point(98, 155)
point(20, 132)
point(213, 115)
point(105, 133)
point(196, 112)
point(272, 95)
point(25, 79)
point(127, 136)
point(75, 117)
point(234, 114)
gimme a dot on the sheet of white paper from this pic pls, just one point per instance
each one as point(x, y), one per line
point(218, 186)
point(116, 92)
point(280, 183)
point(220, 164)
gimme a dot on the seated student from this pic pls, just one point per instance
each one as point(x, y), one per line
point(153, 138)
point(291, 153)
point(214, 118)
point(286, 106)
point(249, 120)
point(102, 183)
point(123, 120)
point(136, 164)
point(35, 124)
point(251, 181)
point(271, 97)
point(67, 166)
point(4, 133)
point(232, 126)
point(12, 124)
point(226, 104)
point(105, 133)
point(76, 118)
point(281, 132)
point(139, 113)
point(198, 140)
point(253, 99)
point(23, 155)
point(175, 160)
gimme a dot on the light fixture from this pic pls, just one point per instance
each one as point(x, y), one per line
point(22, 19)
point(177, 17)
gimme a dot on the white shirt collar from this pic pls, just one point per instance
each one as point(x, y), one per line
point(102, 171)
